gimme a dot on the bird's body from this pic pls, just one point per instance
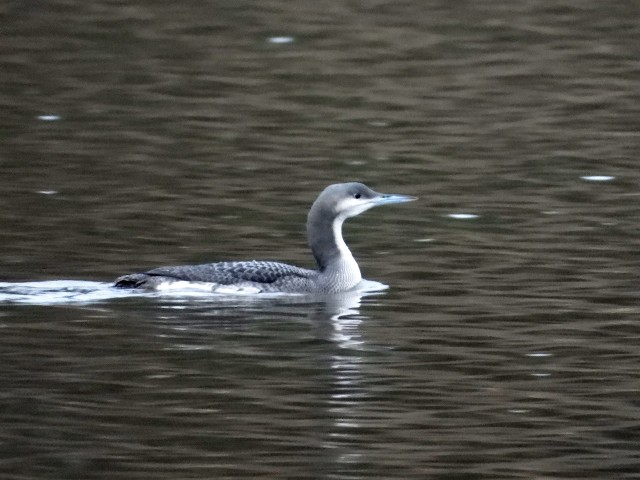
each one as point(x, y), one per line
point(252, 275)
point(337, 270)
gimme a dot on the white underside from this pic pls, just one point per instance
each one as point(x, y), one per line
point(184, 286)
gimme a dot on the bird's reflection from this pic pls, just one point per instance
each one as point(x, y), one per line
point(338, 318)
point(291, 351)
point(338, 321)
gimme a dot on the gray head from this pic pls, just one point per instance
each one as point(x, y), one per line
point(345, 200)
point(333, 206)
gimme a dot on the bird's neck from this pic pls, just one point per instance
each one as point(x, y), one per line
point(338, 268)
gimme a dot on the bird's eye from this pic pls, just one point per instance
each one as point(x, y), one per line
point(357, 195)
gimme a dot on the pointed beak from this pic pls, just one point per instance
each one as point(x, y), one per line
point(387, 198)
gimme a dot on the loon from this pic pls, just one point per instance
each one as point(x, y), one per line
point(337, 269)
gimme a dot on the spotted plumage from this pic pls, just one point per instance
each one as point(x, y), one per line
point(263, 275)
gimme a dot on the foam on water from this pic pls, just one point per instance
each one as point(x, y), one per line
point(58, 291)
point(54, 292)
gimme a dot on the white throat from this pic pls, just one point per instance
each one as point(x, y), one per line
point(346, 269)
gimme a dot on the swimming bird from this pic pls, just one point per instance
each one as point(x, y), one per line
point(337, 270)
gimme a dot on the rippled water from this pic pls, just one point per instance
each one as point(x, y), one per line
point(139, 134)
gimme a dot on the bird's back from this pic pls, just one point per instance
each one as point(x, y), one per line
point(261, 275)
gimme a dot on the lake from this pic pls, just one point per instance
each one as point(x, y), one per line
point(140, 134)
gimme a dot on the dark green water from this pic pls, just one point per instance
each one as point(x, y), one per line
point(138, 134)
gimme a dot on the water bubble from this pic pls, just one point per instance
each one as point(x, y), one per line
point(463, 216)
point(47, 192)
point(49, 118)
point(281, 39)
point(598, 178)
